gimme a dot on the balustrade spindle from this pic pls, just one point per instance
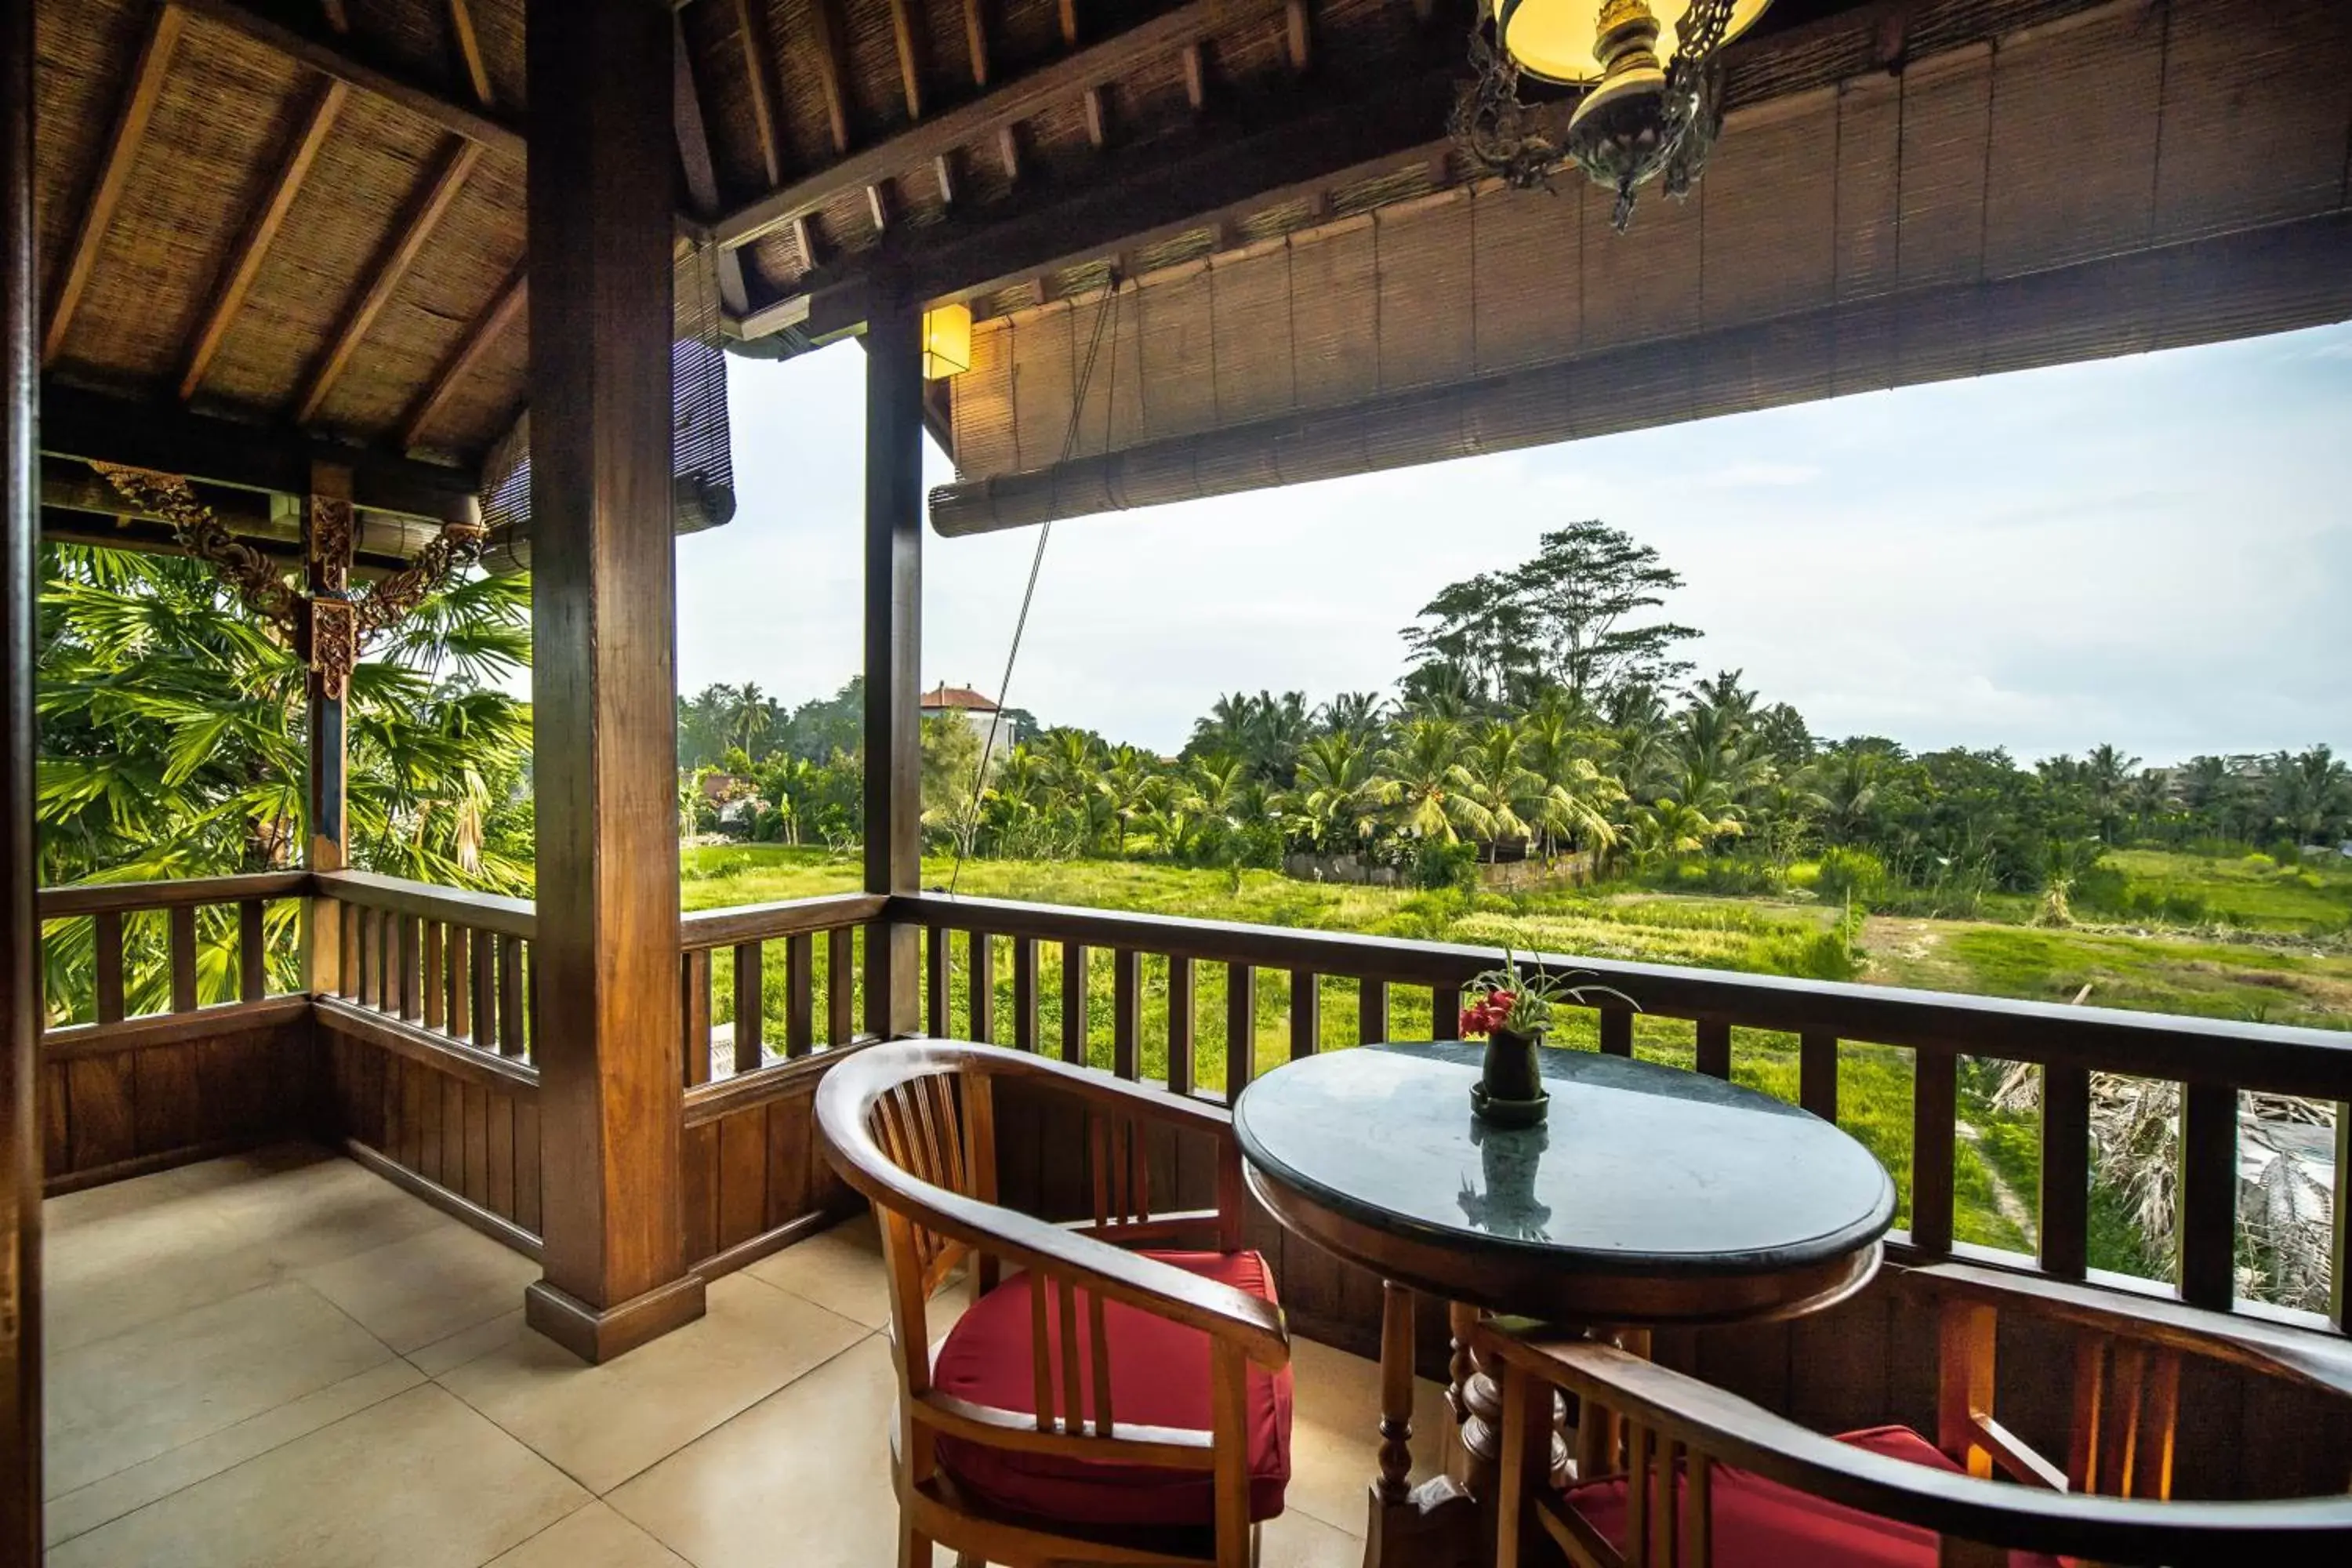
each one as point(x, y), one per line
point(1445, 1012)
point(486, 990)
point(1074, 1001)
point(1934, 1103)
point(1180, 1025)
point(347, 952)
point(749, 1003)
point(182, 926)
point(1306, 1014)
point(1617, 1031)
point(459, 956)
point(1126, 1013)
point(434, 979)
point(1714, 1042)
point(694, 1010)
point(1817, 1075)
point(936, 976)
point(980, 1004)
point(368, 990)
point(252, 952)
point(2065, 1170)
point(1025, 997)
point(107, 934)
point(2209, 1194)
point(800, 993)
point(412, 986)
point(840, 985)
point(514, 1040)
point(1241, 1029)
point(1371, 1011)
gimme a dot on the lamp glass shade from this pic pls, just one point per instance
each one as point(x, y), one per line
point(1554, 39)
point(947, 340)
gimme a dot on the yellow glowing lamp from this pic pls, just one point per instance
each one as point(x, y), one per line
point(947, 341)
point(1559, 40)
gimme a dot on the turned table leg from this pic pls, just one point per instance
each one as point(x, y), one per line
point(1477, 1403)
point(1435, 1525)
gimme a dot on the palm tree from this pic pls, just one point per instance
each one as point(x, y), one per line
point(1340, 792)
point(1848, 782)
point(2106, 777)
point(2310, 790)
point(1424, 762)
point(1356, 713)
point(752, 720)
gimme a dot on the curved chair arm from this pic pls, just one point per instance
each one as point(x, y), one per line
point(843, 1103)
point(1730, 1430)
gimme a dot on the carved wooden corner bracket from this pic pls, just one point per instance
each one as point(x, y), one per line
point(328, 627)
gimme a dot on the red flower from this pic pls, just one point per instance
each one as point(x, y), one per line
point(1487, 1014)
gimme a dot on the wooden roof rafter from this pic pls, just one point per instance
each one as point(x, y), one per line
point(479, 339)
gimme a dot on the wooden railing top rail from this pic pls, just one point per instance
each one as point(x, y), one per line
point(2275, 1058)
point(476, 912)
point(786, 917)
point(126, 897)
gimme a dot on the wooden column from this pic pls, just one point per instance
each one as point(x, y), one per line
point(20, 1124)
point(330, 643)
point(602, 680)
point(894, 619)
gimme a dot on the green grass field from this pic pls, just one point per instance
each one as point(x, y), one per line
point(2272, 979)
point(2310, 898)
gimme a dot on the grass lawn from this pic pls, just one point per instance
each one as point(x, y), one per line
point(2314, 896)
point(1995, 1162)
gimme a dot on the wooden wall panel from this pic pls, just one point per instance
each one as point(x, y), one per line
point(454, 1125)
point(109, 1114)
point(754, 1177)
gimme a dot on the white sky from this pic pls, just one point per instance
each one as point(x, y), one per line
point(2154, 551)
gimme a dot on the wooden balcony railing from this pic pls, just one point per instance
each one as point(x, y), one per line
point(763, 961)
point(2213, 1061)
point(455, 964)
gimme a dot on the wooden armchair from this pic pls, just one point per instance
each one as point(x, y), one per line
point(1752, 1490)
point(1100, 1404)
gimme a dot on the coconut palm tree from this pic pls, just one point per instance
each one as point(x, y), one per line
point(1425, 762)
point(1500, 787)
point(1340, 792)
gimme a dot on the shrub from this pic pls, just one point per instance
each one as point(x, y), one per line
point(1437, 864)
point(1854, 877)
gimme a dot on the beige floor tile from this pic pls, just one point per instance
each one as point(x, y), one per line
point(813, 1460)
point(124, 1255)
point(124, 1400)
point(1335, 1438)
point(1296, 1540)
point(418, 1479)
point(605, 1424)
point(595, 1537)
point(122, 1492)
point(411, 1292)
point(840, 1269)
point(441, 1355)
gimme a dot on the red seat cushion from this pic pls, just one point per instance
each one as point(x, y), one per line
point(1159, 1377)
point(1763, 1524)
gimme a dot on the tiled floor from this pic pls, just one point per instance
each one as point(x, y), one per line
point(281, 1358)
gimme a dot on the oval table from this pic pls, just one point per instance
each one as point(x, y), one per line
point(1650, 1197)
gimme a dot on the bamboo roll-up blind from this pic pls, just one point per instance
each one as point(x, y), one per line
point(2268, 279)
point(1407, 334)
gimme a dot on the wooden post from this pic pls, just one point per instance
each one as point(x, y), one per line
point(601, 200)
point(894, 623)
point(20, 932)
point(331, 644)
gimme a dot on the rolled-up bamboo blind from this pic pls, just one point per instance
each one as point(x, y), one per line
point(2125, 178)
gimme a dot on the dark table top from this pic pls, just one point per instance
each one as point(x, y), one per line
point(1639, 1168)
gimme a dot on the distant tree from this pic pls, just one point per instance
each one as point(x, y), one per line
point(2310, 792)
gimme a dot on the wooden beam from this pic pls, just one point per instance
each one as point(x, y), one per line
point(604, 753)
point(1297, 34)
point(894, 611)
point(470, 50)
point(1008, 152)
point(910, 67)
point(337, 17)
point(1069, 13)
point(975, 39)
point(1057, 82)
point(479, 339)
point(879, 206)
point(424, 214)
point(825, 29)
point(245, 266)
point(343, 57)
point(1097, 118)
point(21, 1005)
point(78, 423)
point(944, 171)
point(804, 241)
point(130, 121)
point(755, 79)
point(1196, 78)
point(702, 174)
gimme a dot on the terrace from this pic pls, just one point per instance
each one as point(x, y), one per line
point(290, 267)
